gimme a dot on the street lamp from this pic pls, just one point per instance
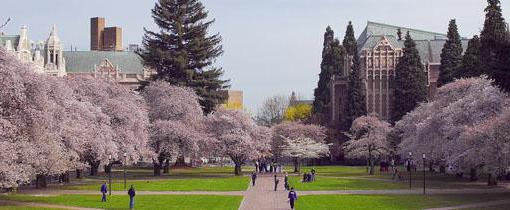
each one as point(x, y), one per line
point(410, 169)
point(424, 159)
point(109, 174)
point(125, 165)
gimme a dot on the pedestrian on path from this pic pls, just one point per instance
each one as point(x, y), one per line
point(276, 181)
point(286, 181)
point(131, 193)
point(292, 197)
point(104, 190)
point(253, 178)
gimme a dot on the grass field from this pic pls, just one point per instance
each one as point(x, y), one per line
point(170, 202)
point(334, 183)
point(389, 202)
point(239, 183)
point(24, 208)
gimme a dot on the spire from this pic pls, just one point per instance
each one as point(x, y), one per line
point(53, 40)
point(53, 30)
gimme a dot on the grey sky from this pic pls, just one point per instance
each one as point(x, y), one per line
point(271, 46)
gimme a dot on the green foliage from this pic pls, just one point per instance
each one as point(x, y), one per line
point(175, 202)
point(356, 105)
point(451, 55)
point(332, 64)
point(471, 63)
point(182, 52)
point(494, 48)
point(349, 41)
point(298, 112)
point(410, 81)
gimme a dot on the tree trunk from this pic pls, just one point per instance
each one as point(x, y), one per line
point(180, 161)
point(431, 166)
point(166, 167)
point(492, 180)
point(157, 168)
point(108, 168)
point(370, 161)
point(296, 165)
point(237, 169)
point(63, 178)
point(473, 175)
point(78, 173)
point(442, 169)
point(41, 181)
point(94, 168)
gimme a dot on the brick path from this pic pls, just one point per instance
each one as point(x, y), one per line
point(263, 197)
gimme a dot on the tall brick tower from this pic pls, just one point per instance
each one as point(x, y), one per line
point(97, 25)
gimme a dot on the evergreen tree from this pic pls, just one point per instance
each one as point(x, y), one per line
point(399, 34)
point(494, 45)
point(471, 63)
point(332, 64)
point(410, 81)
point(451, 55)
point(182, 52)
point(349, 41)
point(356, 105)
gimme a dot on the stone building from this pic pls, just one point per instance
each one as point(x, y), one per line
point(47, 57)
point(380, 48)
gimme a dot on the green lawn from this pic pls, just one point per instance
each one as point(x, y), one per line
point(333, 183)
point(239, 183)
point(177, 202)
point(336, 171)
point(389, 202)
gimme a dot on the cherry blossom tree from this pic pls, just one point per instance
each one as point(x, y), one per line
point(368, 140)
point(126, 114)
point(447, 129)
point(299, 141)
point(177, 123)
point(237, 136)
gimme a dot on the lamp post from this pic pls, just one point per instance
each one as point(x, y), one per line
point(410, 169)
point(424, 159)
point(125, 165)
point(109, 174)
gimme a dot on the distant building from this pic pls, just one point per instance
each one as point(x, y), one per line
point(104, 38)
point(294, 100)
point(234, 99)
point(47, 57)
point(379, 49)
point(133, 47)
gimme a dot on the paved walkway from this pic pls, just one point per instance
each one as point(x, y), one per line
point(263, 197)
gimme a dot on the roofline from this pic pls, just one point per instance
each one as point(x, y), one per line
point(394, 26)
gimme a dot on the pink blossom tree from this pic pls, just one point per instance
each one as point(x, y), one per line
point(368, 140)
point(440, 128)
point(237, 136)
point(299, 141)
point(177, 123)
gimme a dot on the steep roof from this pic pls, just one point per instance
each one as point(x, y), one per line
point(429, 44)
point(85, 61)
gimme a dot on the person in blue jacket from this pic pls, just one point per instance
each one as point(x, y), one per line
point(104, 190)
point(131, 193)
point(292, 197)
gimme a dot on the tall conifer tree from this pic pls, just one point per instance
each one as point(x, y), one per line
point(471, 63)
point(349, 41)
point(356, 105)
point(410, 81)
point(494, 45)
point(451, 55)
point(182, 52)
point(332, 64)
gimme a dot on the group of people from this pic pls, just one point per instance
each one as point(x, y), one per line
point(263, 167)
point(309, 176)
point(131, 193)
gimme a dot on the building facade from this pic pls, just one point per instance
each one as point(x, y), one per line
point(48, 57)
point(104, 38)
point(380, 49)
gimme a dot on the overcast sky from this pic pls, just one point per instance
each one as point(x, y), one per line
point(271, 46)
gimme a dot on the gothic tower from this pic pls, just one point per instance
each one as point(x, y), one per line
point(54, 63)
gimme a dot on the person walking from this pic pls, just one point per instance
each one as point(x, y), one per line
point(104, 190)
point(253, 178)
point(131, 193)
point(292, 197)
point(276, 181)
point(286, 181)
